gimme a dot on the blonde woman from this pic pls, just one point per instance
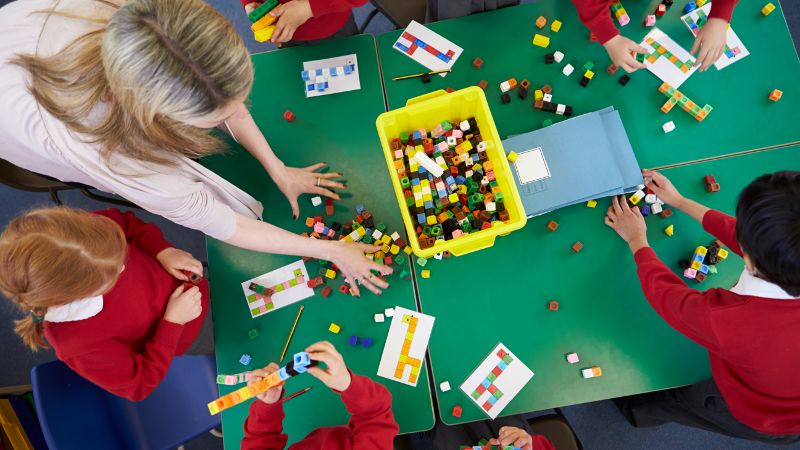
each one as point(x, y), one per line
point(122, 95)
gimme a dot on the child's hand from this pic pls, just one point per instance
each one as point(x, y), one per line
point(356, 268)
point(184, 306)
point(273, 394)
point(513, 436)
point(174, 260)
point(336, 376)
point(619, 49)
point(293, 181)
point(291, 15)
point(711, 43)
point(250, 7)
point(662, 187)
point(627, 222)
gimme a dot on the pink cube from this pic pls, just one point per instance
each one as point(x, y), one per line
point(572, 358)
point(690, 273)
point(457, 233)
point(650, 20)
point(624, 20)
point(319, 227)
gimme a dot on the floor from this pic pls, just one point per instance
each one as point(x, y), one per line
point(598, 425)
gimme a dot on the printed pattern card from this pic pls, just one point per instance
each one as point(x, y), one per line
point(497, 380)
point(666, 59)
point(331, 76)
point(427, 48)
point(734, 48)
point(404, 353)
point(276, 289)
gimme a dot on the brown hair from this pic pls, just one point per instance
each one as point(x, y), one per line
point(52, 256)
point(153, 64)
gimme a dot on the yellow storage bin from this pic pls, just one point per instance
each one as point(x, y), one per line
point(426, 112)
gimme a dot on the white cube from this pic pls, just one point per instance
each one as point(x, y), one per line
point(573, 358)
point(650, 199)
point(505, 86)
point(389, 312)
point(379, 317)
point(444, 386)
point(561, 109)
point(587, 373)
point(669, 126)
point(438, 256)
point(558, 56)
point(568, 70)
point(464, 125)
point(547, 97)
point(656, 208)
point(316, 201)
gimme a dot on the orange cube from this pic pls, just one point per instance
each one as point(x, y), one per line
point(775, 95)
point(541, 22)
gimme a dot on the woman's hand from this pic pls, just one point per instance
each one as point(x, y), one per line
point(174, 260)
point(335, 376)
point(619, 49)
point(513, 436)
point(273, 394)
point(627, 222)
point(294, 181)
point(290, 16)
point(711, 43)
point(356, 268)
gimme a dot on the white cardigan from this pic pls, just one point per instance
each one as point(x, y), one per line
point(30, 137)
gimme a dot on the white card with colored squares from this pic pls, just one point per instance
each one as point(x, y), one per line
point(403, 358)
point(287, 285)
point(497, 380)
point(666, 59)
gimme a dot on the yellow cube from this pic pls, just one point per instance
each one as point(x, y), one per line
point(722, 254)
point(330, 273)
point(767, 9)
point(555, 27)
point(512, 157)
point(426, 274)
point(264, 34)
point(589, 74)
point(591, 203)
point(700, 250)
point(334, 328)
point(538, 94)
point(541, 41)
point(696, 265)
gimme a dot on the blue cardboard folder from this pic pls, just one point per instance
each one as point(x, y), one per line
point(580, 159)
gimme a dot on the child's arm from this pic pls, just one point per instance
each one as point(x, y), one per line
point(596, 15)
point(721, 225)
point(722, 9)
point(687, 310)
point(263, 429)
point(144, 236)
point(372, 425)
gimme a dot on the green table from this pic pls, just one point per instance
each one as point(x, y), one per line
point(501, 294)
point(338, 129)
point(742, 118)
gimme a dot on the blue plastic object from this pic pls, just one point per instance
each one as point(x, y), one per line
point(76, 414)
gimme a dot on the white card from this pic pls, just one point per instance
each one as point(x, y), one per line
point(403, 357)
point(288, 285)
point(332, 71)
point(735, 49)
point(427, 48)
point(668, 71)
point(497, 380)
point(531, 166)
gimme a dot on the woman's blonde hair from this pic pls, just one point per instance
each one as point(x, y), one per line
point(155, 64)
point(52, 256)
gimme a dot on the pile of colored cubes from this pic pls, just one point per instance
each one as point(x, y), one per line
point(448, 181)
point(703, 261)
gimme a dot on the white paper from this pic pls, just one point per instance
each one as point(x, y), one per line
point(338, 83)
point(260, 305)
point(511, 376)
point(408, 363)
point(735, 45)
point(664, 69)
point(531, 166)
point(415, 41)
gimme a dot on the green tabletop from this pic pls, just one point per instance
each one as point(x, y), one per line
point(340, 130)
point(501, 294)
point(743, 118)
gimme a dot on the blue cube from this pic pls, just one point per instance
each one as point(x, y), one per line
point(366, 342)
point(245, 360)
point(691, 6)
point(703, 269)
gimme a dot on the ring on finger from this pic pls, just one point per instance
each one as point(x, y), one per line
point(318, 181)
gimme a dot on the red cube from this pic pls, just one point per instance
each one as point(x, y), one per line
point(326, 291)
point(709, 179)
point(288, 116)
point(344, 289)
point(477, 63)
point(576, 247)
point(552, 305)
point(456, 411)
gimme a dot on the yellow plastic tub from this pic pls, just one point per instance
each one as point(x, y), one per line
point(426, 112)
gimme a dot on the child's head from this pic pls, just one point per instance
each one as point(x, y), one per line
point(53, 256)
point(768, 228)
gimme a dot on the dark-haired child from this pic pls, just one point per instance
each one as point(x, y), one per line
point(751, 332)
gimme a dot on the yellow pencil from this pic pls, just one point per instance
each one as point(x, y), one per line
point(417, 75)
point(291, 333)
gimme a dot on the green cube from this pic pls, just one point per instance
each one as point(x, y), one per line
point(695, 109)
point(399, 259)
point(422, 261)
point(252, 334)
point(547, 122)
point(221, 380)
point(404, 136)
point(588, 66)
point(380, 227)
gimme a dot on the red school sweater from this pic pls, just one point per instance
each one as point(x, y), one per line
point(328, 17)
point(371, 425)
point(127, 347)
point(753, 342)
point(596, 15)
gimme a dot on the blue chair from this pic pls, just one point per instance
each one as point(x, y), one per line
point(76, 414)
